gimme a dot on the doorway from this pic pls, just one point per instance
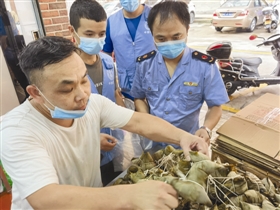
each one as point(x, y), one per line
point(17, 28)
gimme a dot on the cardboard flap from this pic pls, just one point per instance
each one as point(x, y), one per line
point(257, 125)
point(263, 111)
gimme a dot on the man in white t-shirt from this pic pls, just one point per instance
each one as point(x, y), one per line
point(50, 144)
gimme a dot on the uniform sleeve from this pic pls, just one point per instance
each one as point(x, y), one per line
point(137, 90)
point(215, 93)
point(112, 115)
point(26, 161)
point(108, 46)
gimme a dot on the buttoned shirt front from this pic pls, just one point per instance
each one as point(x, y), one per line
point(178, 99)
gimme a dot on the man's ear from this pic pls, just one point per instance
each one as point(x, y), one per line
point(71, 29)
point(34, 93)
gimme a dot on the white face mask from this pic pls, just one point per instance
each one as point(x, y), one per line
point(91, 46)
point(171, 49)
point(59, 113)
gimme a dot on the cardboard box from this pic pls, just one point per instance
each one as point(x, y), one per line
point(252, 136)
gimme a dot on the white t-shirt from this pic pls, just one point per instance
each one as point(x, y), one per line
point(37, 152)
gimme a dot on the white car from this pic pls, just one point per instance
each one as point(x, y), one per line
point(114, 6)
point(111, 7)
point(191, 8)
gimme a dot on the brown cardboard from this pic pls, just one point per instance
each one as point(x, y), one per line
point(257, 126)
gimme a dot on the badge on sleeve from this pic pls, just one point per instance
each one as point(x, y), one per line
point(203, 57)
point(146, 56)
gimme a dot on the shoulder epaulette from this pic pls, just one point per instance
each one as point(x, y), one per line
point(146, 56)
point(203, 57)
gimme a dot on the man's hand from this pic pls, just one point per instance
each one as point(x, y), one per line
point(152, 195)
point(202, 133)
point(194, 143)
point(107, 142)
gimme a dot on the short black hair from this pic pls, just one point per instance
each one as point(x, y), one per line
point(166, 9)
point(88, 9)
point(43, 52)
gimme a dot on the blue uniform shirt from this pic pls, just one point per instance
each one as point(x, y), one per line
point(178, 99)
point(125, 48)
point(108, 91)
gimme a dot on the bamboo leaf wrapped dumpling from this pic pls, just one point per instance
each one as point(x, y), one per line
point(247, 206)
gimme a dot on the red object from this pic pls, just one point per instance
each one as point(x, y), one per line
point(253, 37)
point(216, 47)
point(5, 201)
point(204, 57)
point(224, 64)
point(244, 13)
point(6, 196)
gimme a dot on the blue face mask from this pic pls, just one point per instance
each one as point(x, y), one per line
point(64, 114)
point(130, 5)
point(171, 49)
point(91, 46)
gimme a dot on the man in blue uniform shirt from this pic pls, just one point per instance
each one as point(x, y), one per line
point(174, 81)
point(128, 36)
point(88, 26)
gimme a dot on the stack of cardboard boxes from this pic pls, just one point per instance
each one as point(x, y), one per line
point(250, 139)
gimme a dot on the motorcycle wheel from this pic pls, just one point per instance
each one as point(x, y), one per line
point(229, 85)
point(269, 30)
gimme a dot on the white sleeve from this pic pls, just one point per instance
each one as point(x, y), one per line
point(114, 116)
point(26, 161)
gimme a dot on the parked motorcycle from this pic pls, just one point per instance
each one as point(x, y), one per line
point(238, 72)
point(271, 17)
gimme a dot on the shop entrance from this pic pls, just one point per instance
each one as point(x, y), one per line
point(20, 23)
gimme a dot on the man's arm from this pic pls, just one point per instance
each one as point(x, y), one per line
point(118, 94)
point(212, 117)
point(119, 98)
point(108, 46)
point(141, 105)
point(160, 130)
point(149, 126)
point(145, 195)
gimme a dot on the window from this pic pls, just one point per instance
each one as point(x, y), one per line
point(263, 3)
point(257, 3)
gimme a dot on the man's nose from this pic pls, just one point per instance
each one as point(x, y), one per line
point(82, 92)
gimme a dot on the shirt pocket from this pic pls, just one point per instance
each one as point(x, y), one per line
point(151, 90)
point(189, 97)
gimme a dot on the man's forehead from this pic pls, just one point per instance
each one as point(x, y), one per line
point(87, 24)
point(67, 69)
point(71, 80)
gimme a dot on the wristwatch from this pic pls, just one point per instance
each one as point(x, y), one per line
point(208, 130)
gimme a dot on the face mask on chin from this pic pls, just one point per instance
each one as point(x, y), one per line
point(130, 5)
point(91, 46)
point(171, 49)
point(59, 113)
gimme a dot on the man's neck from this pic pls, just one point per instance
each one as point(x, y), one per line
point(134, 14)
point(88, 59)
point(171, 64)
point(46, 113)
